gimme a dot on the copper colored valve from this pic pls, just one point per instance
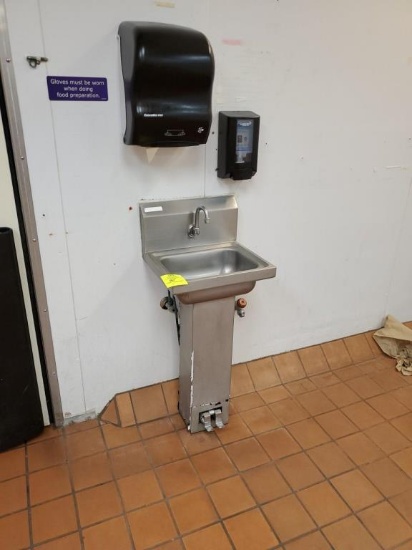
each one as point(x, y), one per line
point(241, 303)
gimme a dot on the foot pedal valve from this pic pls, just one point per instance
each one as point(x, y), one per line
point(206, 420)
point(218, 418)
point(215, 416)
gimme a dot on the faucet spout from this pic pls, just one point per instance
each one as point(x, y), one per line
point(194, 228)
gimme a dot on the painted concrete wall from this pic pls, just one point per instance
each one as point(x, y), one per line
point(330, 205)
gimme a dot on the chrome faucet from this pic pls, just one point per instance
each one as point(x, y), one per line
point(194, 229)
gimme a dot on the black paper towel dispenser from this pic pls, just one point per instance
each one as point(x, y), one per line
point(168, 77)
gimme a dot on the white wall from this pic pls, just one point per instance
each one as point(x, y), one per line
point(330, 205)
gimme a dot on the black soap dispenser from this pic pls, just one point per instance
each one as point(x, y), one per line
point(168, 74)
point(238, 144)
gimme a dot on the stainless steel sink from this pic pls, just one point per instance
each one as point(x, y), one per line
point(214, 264)
point(216, 268)
point(207, 263)
point(213, 271)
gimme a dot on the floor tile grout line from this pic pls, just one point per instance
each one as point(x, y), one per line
point(330, 371)
point(202, 486)
point(359, 518)
point(251, 377)
point(358, 402)
point(225, 529)
point(48, 500)
point(133, 409)
point(327, 478)
point(350, 511)
point(29, 507)
point(165, 498)
point(18, 511)
point(401, 545)
point(57, 537)
point(384, 498)
point(115, 480)
point(258, 505)
point(285, 425)
point(43, 440)
point(377, 444)
point(53, 539)
point(165, 400)
point(317, 528)
point(323, 355)
point(320, 528)
point(73, 493)
point(116, 408)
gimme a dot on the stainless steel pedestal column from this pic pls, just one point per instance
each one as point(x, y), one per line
point(205, 360)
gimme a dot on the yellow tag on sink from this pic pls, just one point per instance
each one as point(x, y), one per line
point(171, 279)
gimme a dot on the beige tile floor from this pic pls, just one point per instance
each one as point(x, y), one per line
point(317, 455)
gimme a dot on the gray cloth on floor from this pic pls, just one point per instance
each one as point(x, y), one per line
point(395, 339)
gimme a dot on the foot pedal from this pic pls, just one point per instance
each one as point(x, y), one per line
point(206, 420)
point(218, 419)
point(215, 416)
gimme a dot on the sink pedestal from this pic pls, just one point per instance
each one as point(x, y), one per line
point(206, 339)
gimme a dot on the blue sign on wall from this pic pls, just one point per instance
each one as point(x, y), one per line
point(77, 88)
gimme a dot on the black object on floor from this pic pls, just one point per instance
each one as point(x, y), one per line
point(20, 409)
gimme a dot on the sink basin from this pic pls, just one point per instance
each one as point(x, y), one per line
point(207, 263)
point(213, 263)
point(212, 272)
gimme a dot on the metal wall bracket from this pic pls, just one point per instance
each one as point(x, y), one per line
point(34, 61)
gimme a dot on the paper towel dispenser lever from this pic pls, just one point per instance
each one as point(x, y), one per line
point(168, 77)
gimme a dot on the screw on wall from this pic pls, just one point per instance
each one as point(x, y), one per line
point(35, 61)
